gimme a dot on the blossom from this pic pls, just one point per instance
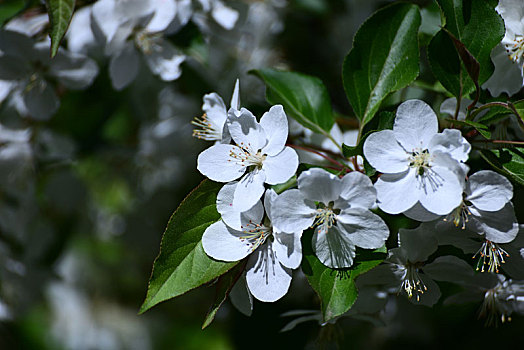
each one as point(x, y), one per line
point(212, 124)
point(338, 208)
point(259, 156)
point(485, 209)
point(26, 71)
point(272, 253)
point(136, 27)
point(419, 165)
point(508, 55)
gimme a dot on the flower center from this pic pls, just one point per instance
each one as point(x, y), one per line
point(146, 41)
point(492, 255)
point(325, 218)
point(208, 131)
point(246, 156)
point(516, 50)
point(491, 308)
point(460, 215)
point(420, 160)
point(255, 234)
point(412, 283)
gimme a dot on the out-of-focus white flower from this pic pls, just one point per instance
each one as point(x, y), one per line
point(419, 165)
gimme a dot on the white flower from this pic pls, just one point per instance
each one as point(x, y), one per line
point(133, 27)
point(272, 253)
point(418, 163)
point(28, 69)
point(508, 56)
point(485, 209)
point(212, 124)
point(259, 156)
point(339, 208)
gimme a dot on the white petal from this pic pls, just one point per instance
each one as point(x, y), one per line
point(397, 193)
point(216, 163)
point(449, 107)
point(165, 12)
point(498, 226)
point(274, 123)
point(488, 190)
point(419, 213)
point(41, 101)
point(430, 296)
point(123, 67)
point(234, 218)
point(80, 38)
point(415, 125)
point(334, 248)
point(249, 190)
point(449, 268)
point(246, 131)
point(266, 278)
point(358, 190)
point(319, 185)
point(384, 153)
point(235, 98)
point(291, 212)
point(364, 229)
point(442, 191)
point(280, 167)
point(164, 60)
point(269, 199)
point(507, 76)
point(241, 297)
point(225, 16)
point(451, 141)
point(418, 244)
point(288, 249)
point(106, 18)
point(73, 70)
point(216, 111)
point(512, 12)
point(223, 243)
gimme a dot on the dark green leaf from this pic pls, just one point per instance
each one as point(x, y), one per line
point(384, 58)
point(305, 98)
point(223, 287)
point(481, 128)
point(336, 287)
point(508, 161)
point(182, 264)
point(475, 24)
point(60, 13)
point(9, 9)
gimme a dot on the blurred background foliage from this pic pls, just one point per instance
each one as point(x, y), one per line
point(110, 167)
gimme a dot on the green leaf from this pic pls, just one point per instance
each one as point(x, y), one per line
point(223, 287)
point(508, 161)
point(384, 58)
point(475, 24)
point(182, 264)
point(304, 97)
point(481, 128)
point(60, 13)
point(336, 287)
point(9, 9)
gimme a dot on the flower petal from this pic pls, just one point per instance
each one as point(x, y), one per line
point(246, 131)
point(415, 125)
point(241, 297)
point(292, 212)
point(123, 67)
point(165, 12)
point(249, 190)
point(164, 60)
point(449, 268)
point(234, 218)
point(319, 185)
point(358, 190)
point(334, 248)
point(235, 98)
point(223, 243)
point(442, 191)
point(488, 190)
point(41, 101)
point(266, 278)
point(418, 244)
point(364, 229)
point(498, 226)
point(450, 141)
point(419, 213)
point(281, 167)
point(384, 153)
point(288, 249)
point(216, 163)
point(507, 76)
point(274, 123)
point(397, 193)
